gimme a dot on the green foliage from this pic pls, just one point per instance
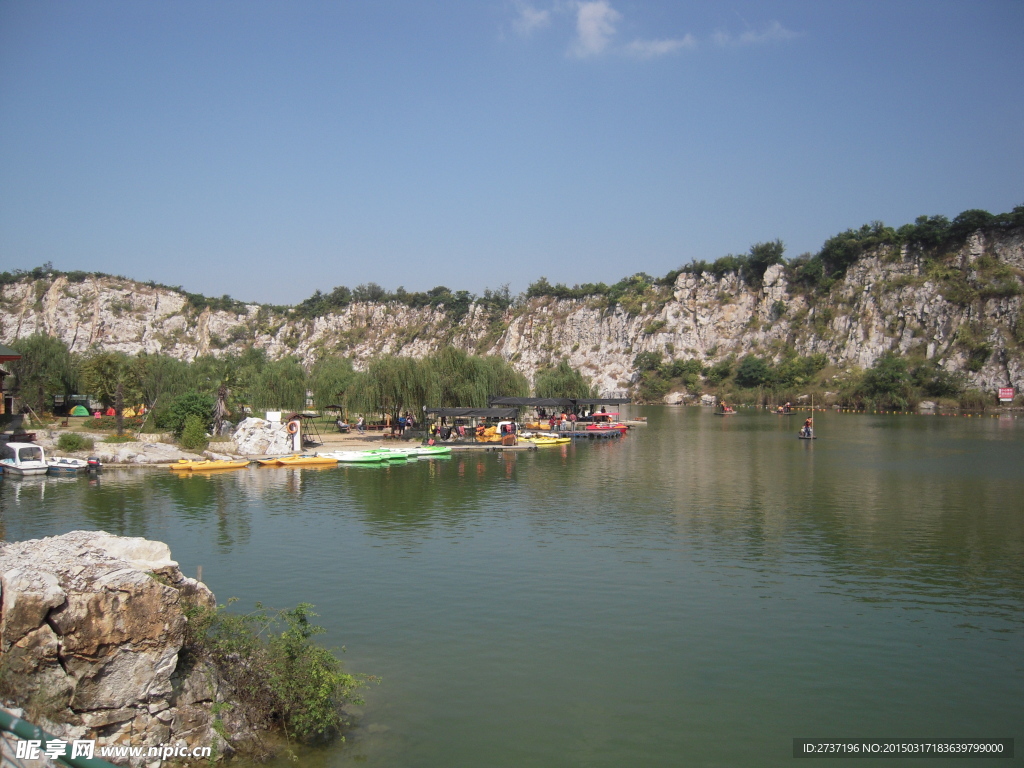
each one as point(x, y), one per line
point(278, 674)
point(193, 433)
point(795, 372)
point(934, 381)
point(46, 368)
point(74, 442)
point(110, 422)
point(753, 372)
point(390, 384)
point(278, 384)
point(329, 379)
point(654, 327)
point(562, 381)
point(887, 383)
point(160, 377)
point(843, 250)
point(751, 267)
point(182, 407)
point(457, 379)
point(647, 361)
point(100, 374)
point(762, 256)
point(720, 371)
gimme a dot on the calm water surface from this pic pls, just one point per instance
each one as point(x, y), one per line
point(696, 594)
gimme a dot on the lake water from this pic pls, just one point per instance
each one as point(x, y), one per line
point(697, 594)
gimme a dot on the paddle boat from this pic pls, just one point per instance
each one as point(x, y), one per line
point(615, 426)
point(356, 457)
point(298, 460)
point(23, 459)
point(205, 465)
point(547, 441)
point(65, 465)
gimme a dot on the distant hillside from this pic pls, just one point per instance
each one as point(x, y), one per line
point(947, 292)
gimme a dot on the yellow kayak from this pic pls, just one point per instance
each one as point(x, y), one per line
point(299, 461)
point(539, 441)
point(188, 465)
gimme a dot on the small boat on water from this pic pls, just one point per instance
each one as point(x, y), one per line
point(65, 465)
point(23, 459)
point(419, 450)
point(356, 457)
point(205, 465)
point(298, 460)
point(546, 441)
point(613, 427)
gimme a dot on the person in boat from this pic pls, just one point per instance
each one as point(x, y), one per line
point(808, 430)
point(787, 407)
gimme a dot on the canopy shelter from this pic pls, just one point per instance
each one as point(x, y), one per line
point(7, 354)
point(532, 402)
point(601, 401)
point(474, 413)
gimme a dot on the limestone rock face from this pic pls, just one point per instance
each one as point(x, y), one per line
point(95, 623)
point(886, 302)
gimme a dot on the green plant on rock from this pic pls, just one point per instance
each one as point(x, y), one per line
point(193, 435)
point(277, 674)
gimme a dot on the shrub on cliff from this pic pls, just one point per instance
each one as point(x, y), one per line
point(279, 676)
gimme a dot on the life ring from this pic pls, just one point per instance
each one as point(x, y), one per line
point(293, 427)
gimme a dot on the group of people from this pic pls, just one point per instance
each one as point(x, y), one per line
point(787, 408)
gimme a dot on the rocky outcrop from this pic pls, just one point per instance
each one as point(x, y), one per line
point(886, 302)
point(257, 437)
point(91, 630)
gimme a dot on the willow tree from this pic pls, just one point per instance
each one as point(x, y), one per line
point(390, 384)
point(161, 377)
point(280, 384)
point(562, 381)
point(330, 379)
point(502, 379)
point(458, 379)
point(46, 368)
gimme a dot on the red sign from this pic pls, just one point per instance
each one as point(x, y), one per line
point(1005, 393)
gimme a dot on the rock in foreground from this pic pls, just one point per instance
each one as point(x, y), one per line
point(91, 626)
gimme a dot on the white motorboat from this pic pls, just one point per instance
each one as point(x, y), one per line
point(23, 459)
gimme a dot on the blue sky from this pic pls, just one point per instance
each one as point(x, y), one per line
point(268, 149)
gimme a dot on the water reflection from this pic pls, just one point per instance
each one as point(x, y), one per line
point(723, 569)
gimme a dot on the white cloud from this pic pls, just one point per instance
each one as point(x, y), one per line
point(773, 33)
point(649, 49)
point(595, 26)
point(530, 19)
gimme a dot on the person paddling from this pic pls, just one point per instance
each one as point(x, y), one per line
point(808, 427)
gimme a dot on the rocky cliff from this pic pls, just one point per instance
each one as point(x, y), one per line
point(964, 311)
point(91, 627)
